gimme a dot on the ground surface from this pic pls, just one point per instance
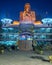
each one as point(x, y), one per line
point(22, 58)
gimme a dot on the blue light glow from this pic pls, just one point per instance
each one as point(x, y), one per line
point(48, 29)
point(4, 28)
point(45, 29)
point(13, 36)
point(8, 42)
point(47, 20)
point(6, 20)
point(22, 37)
point(42, 29)
point(29, 37)
point(35, 36)
point(42, 36)
point(10, 28)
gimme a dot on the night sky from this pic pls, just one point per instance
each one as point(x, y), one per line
point(12, 8)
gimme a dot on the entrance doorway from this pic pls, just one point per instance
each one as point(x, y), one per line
point(25, 42)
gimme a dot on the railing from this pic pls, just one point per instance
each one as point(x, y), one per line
point(35, 26)
point(36, 34)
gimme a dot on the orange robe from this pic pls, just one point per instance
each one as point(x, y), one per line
point(29, 17)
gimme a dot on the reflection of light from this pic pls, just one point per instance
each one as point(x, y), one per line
point(45, 30)
point(48, 30)
point(16, 35)
point(47, 20)
point(29, 37)
point(6, 20)
point(8, 42)
point(35, 36)
point(10, 35)
point(4, 28)
point(13, 35)
point(10, 28)
point(22, 37)
point(42, 36)
point(42, 28)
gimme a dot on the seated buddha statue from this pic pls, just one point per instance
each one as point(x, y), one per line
point(27, 15)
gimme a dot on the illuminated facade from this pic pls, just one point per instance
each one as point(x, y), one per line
point(13, 32)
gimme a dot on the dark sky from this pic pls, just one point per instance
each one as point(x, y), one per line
point(12, 8)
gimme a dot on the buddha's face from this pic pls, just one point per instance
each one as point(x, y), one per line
point(27, 7)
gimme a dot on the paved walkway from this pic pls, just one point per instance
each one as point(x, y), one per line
point(21, 58)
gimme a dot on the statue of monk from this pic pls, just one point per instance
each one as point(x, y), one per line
point(27, 15)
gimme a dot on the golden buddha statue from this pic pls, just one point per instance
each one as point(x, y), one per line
point(27, 14)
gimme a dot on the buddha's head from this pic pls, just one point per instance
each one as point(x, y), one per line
point(27, 7)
